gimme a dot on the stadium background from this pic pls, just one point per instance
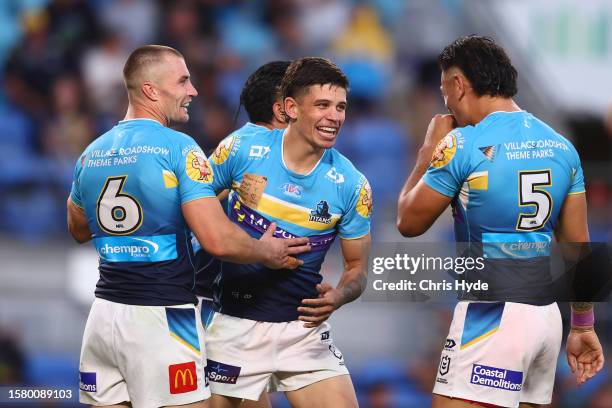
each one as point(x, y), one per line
point(60, 67)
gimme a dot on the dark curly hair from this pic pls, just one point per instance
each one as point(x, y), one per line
point(261, 90)
point(484, 63)
point(308, 71)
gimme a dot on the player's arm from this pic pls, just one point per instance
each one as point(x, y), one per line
point(77, 222)
point(351, 285)
point(223, 195)
point(223, 239)
point(354, 278)
point(584, 352)
point(419, 205)
point(573, 226)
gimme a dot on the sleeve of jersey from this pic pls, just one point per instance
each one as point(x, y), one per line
point(577, 186)
point(445, 173)
point(223, 162)
point(193, 172)
point(355, 223)
point(75, 190)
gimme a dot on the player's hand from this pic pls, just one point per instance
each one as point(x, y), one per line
point(316, 311)
point(439, 126)
point(278, 252)
point(584, 354)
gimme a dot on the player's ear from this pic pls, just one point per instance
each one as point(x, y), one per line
point(279, 113)
point(460, 84)
point(290, 108)
point(150, 91)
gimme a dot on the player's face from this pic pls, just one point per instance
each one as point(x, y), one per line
point(320, 113)
point(176, 90)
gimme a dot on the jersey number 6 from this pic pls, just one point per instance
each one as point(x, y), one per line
point(118, 213)
point(529, 195)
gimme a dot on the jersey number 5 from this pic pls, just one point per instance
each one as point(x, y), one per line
point(531, 195)
point(118, 213)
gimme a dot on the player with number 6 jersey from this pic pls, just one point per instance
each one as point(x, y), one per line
point(138, 192)
point(142, 238)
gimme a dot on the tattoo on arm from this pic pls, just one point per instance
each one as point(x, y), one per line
point(351, 289)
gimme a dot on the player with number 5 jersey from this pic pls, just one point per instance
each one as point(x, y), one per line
point(514, 184)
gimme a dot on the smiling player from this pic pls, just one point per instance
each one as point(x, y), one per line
point(138, 192)
point(261, 99)
point(269, 329)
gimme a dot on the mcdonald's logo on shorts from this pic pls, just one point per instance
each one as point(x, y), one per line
point(183, 377)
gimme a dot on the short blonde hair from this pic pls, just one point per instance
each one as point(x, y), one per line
point(142, 57)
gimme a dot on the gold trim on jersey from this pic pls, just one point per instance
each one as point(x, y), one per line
point(478, 180)
point(170, 180)
point(292, 213)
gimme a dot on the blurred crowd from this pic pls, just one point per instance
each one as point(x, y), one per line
point(62, 77)
point(61, 68)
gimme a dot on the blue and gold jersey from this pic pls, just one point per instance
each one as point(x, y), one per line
point(131, 183)
point(334, 199)
point(508, 176)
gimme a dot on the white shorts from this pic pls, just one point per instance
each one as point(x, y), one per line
point(246, 357)
point(501, 353)
point(151, 356)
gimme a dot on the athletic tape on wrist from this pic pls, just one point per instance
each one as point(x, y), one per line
point(583, 319)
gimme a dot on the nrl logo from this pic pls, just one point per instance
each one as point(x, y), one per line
point(444, 365)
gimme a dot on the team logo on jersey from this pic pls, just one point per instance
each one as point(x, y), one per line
point(223, 151)
point(259, 152)
point(334, 176)
point(364, 202)
point(197, 167)
point(292, 190)
point(444, 151)
point(489, 152)
point(321, 214)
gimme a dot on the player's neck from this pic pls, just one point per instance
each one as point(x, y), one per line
point(486, 105)
point(267, 125)
point(144, 112)
point(273, 124)
point(299, 155)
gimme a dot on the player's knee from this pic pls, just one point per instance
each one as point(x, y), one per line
point(222, 401)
